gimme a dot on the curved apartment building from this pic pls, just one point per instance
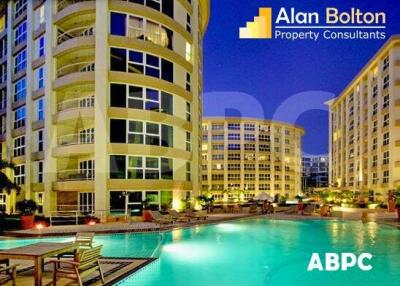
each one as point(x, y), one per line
point(101, 102)
point(245, 156)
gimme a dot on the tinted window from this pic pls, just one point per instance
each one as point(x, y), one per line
point(118, 24)
point(166, 103)
point(167, 70)
point(118, 95)
point(117, 167)
point(118, 59)
point(117, 131)
point(168, 7)
point(166, 169)
point(167, 136)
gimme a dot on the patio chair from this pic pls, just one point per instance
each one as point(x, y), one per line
point(196, 215)
point(158, 218)
point(292, 210)
point(85, 262)
point(5, 262)
point(84, 241)
point(309, 210)
point(8, 273)
point(179, 217)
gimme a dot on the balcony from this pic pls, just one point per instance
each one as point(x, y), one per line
point(75, 175)
point(72, 109)
point(74, 39)
point(62, 4)
point(75, 144)
point(75, 73)
point(74, 180)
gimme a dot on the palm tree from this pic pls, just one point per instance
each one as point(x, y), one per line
point(5, 183)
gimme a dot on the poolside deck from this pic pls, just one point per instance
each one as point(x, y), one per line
point(117, 227)
point(114, 269)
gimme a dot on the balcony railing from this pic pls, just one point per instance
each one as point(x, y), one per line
point(62, 4)
point(75, 139)
point(75, 175)
point(75, 33)
point(74, 68)
point(76, 103)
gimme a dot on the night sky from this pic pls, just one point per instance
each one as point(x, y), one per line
point(283, 80)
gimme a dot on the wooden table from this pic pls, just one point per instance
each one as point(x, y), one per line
point(38, 252)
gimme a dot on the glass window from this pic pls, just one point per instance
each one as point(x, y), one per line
point(19, 117)
point(3, 22)
point(40, 140)
point(167, 136)
point(40, 109)
point(166, 169)
point(39, 78)
point(118, 59)
point(135, 167)
point(40, 172)
point(20, 89)
point(117, 167)
point(20, 34)
point(117, 131)
point(19, 146)
point(135, 132)
point(152, 168)
point(118, 95)
point(39, 16)
point(19, 7)
point(118, 24)
point(39, 47)
point(189, 142)
point(20, 61)
point(188, 112)
point(19, 175)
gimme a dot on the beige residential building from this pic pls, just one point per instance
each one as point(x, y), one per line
point(243, 157)
point(101, 102)
point(365, 127)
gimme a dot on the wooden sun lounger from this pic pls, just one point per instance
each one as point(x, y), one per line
point(179, 217)
point(160, 219)
point(8, 273)
point(196, 215)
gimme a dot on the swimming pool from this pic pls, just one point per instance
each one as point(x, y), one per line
point(254, 252)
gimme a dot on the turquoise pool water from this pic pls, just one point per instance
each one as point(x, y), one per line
point(254, 252)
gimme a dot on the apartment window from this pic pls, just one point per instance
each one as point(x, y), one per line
point(385, 177)
point(188, 52)
point(233, 147)
point(249, 137)
point(264, 177)
point(249, 127)
point(188, 171)
point(234, 167)
point(385, 160)
point(374, 161)
point(218, 147)
point(20, 34)
point(19, 175)
point(233, 157)
point(164, 6)
point(233, 136)
point(19, 117)
point(249, 177)
point(233, 177)
point(20, 61)
point(218, 137)
point(375, 91)
point(386, 139)
point(40, 172)
point(3, 201)
point(188, 142)
point(386, 82)
point(188, 82)
point(386, 101)
point(188, 23)
point(217, 127)
point(137, 97)
point(277, 186)
point(218, 157)
point(386, 63)
point(40, 140)
point(39, 78)
point(250, 147)
point(264, 138)
point(3, 22)
point(374, 178)
point(141, 63)
point(39, 16)
point(233, 126)
point(39, 44)
point(386, 119)
point(19, 146)
point(265, 187)
point(3, 98)
point(249, 167)
point(149, 168)
point(19, 7)
point(40, 109)
point(188, 112)
point(375, 108)
point(374, 126)
point(264, 167)
point(20, 89)
point(3, 73)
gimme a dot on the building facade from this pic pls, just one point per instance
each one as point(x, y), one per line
point(315, 172)
point(365, 126)
point(243, 157)
point(101, 102)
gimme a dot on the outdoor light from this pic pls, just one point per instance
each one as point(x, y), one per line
point(39, 225)
point(92, 222)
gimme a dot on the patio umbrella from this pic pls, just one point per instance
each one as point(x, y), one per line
point(263, 196)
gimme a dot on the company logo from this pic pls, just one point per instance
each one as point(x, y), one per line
point(332, 24)
point(260, 28)
point(340, 262)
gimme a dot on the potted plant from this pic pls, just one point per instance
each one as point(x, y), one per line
point(206, 202)
point(27, 209)
point(147, 217)
point(300, 205)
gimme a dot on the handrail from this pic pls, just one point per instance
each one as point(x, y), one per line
point(75, 175)
point(75, 103)
point(160, 39)
point(62, 4)
point(76, 139)
point(75, 214)
point(75, 67)
point(75, 33)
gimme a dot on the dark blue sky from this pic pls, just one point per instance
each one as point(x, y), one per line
point(271, 71)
